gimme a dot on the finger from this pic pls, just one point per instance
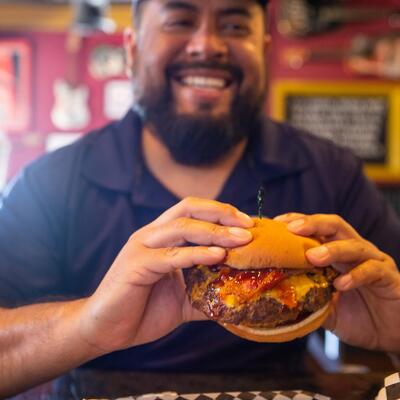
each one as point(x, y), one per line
point(191, 314)
point(350, 251)
point(206, 210)
point(331, 320)
point(164, 261)
point(371, 272)
point(288, 217)
point(327, 227)
point(185, 230)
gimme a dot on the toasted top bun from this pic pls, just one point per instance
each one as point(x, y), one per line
point(273, 246)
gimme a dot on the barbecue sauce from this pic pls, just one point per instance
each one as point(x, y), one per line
point(246, 285)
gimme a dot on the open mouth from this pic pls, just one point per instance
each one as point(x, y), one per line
point(202, 76)
point(198, 86)
point(204, 82)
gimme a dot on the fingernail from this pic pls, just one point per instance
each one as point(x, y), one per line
point(281, 217)
point(344, 282)
point(244, 216)
point(240, 233)
point(294, 225)
point(319, 252)
point(217, 250)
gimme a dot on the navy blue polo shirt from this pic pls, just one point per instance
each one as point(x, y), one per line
point(64, 219)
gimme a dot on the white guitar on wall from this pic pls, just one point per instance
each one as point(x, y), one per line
point(71, 111)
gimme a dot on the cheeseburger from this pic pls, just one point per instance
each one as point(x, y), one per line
point(264, 291)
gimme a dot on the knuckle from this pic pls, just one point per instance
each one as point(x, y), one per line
point(333, 219)
point(189, 201)
point(297, 215)
point(180, 223)
point(357, 244)
point(336, 219)
point(226, 210)
point(334, 247)
point(217, 230)
point(134, 238)
point(387, 259)
point(145, 230)
point(141, 234)
point(171, 252)
point(229, 209)
point(390, 260)
point(379, 271)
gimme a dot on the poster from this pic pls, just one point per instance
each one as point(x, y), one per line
point(360, 116)
point(15, 85)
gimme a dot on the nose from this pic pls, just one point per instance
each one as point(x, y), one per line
point(206, 44)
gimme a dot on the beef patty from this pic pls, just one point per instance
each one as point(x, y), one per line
point(258, 298)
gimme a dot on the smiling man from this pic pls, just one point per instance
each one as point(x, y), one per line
point(205, 73)
point(94, 237)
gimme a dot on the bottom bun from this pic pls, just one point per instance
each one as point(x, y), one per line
point(282, 333)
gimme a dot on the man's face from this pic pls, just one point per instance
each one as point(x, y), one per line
point(199, 65)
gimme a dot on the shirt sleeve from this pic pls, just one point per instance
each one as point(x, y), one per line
point(364, 207)
point(30, 238)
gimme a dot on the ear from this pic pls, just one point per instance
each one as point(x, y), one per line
point(267, 43)
point(130, 50)
point(267, 54)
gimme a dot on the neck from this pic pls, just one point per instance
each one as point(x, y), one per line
point(204, 181)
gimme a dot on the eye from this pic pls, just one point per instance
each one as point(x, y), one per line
point(179, 21)
point(182, 23)
point(235, 28)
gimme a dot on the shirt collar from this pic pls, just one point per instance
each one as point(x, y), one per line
point(111, 156)
point(279, 150)
point(114, 160)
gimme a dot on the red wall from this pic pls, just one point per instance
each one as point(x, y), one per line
point(49, 62)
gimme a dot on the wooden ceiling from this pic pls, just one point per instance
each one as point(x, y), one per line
point(51, 15)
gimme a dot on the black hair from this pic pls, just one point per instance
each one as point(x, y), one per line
point(136, 6)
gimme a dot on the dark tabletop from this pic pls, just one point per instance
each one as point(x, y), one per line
point(105, 384)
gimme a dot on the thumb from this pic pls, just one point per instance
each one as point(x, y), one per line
point(192, 314)
point(331, 321)
point(198, 315)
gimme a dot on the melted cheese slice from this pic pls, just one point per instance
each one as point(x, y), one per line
point(290, 291)
point(296, 285)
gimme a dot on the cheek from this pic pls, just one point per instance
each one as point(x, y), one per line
point(148, 67)
point(150, 71)
point(156, 54)
point(253, 63)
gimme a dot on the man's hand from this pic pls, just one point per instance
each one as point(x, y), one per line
point(367, 307)
point(142, 297)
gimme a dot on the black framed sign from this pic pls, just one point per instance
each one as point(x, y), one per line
point(362, 116)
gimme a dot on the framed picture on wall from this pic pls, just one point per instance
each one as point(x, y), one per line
point(362, 116)
point(15, 85)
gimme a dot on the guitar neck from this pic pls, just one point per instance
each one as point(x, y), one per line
point(332, 14)
point(297, 57)
point(297, 18)
point(73, 47)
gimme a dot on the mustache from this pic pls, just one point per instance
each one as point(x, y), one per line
point(233, 70)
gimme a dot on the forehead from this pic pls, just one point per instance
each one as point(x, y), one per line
point(211, 5)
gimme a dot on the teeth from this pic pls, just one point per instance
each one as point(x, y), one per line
point(204, 82)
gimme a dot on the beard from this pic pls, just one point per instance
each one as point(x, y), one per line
point(199, 139)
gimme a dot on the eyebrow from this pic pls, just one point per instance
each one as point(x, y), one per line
point(180, 5)
point(235, 11)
